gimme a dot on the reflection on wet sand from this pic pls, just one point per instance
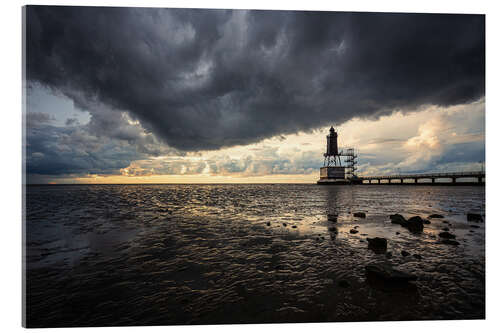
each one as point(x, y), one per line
point(192, 254)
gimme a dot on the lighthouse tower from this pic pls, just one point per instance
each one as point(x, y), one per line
point(333, 172)
point(332, 157)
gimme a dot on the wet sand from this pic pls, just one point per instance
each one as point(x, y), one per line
point(107, 255)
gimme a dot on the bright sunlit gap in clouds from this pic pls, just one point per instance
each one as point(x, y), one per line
point(430, 139)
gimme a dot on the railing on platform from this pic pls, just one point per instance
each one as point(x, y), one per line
point(469, 174)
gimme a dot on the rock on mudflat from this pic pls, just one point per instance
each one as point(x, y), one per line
point(344, 284)
point(446, 229)
point(446, 235)
point(359, 214)
point(387, 276)
point(417, 256)
point(377, 244)
point(474, 226)
point(405, 253)
point(353, 231)
point(415, 224)
point(435, 216)
point(450, 242)
point(474, 217)
point(398, 219)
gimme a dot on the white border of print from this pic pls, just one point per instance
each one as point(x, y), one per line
point(10, 234)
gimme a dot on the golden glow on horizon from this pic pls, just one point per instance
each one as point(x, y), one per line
point(193, 179)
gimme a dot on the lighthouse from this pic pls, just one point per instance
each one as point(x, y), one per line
point(333, 172)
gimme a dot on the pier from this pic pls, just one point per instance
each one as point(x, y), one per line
point(442, 178)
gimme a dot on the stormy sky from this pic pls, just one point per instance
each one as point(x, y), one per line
point(150, 92)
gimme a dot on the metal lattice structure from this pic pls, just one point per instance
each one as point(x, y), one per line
point(351, 162)
point(333, 155)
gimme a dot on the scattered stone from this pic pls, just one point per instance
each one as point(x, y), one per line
point(426, 221)
point(356, 227)
point(446, 222)
point(268, 224)
point(388, 255)
point(334, 230)
point(405, 253)
point(474, 217)
point(471, 230)
point(417, 256)
point(353, 231)
point(387, 276)
point(446, 229)
point(364, 234)
point(435, 216)
point(415, 224)
point(361, 240)
point(474, 226)
point(398, 219)
point(294, 226)
point(377, 244)
point(360, 214)
point(344, 284)
point(447, 235)
point(450, 242)
point(284, 224)
point(397, 232)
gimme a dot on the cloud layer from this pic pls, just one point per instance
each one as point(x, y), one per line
point(206, 79)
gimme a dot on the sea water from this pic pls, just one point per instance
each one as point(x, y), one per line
point(102, 255)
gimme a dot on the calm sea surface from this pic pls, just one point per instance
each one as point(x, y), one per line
point(102, 255)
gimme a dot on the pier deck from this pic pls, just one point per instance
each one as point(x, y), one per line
point(444, 178)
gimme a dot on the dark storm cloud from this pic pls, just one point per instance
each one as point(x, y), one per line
point(72, 150)
point(204, 79)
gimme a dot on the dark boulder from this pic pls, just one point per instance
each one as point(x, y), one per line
point(415, 224)
point(344, 284)
point(446, 229)
point(446, 235)
point(377, 244)
point(405, 253)
point(360, 214)
point(417, 256)
point(474, 217)
point(294, 226)
point(284, 224)
point(426, 221)
point(474, 226)
point(450, 242)
point(398, 219)
point(353, 231)
point(268, 224)
point(435, 216)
